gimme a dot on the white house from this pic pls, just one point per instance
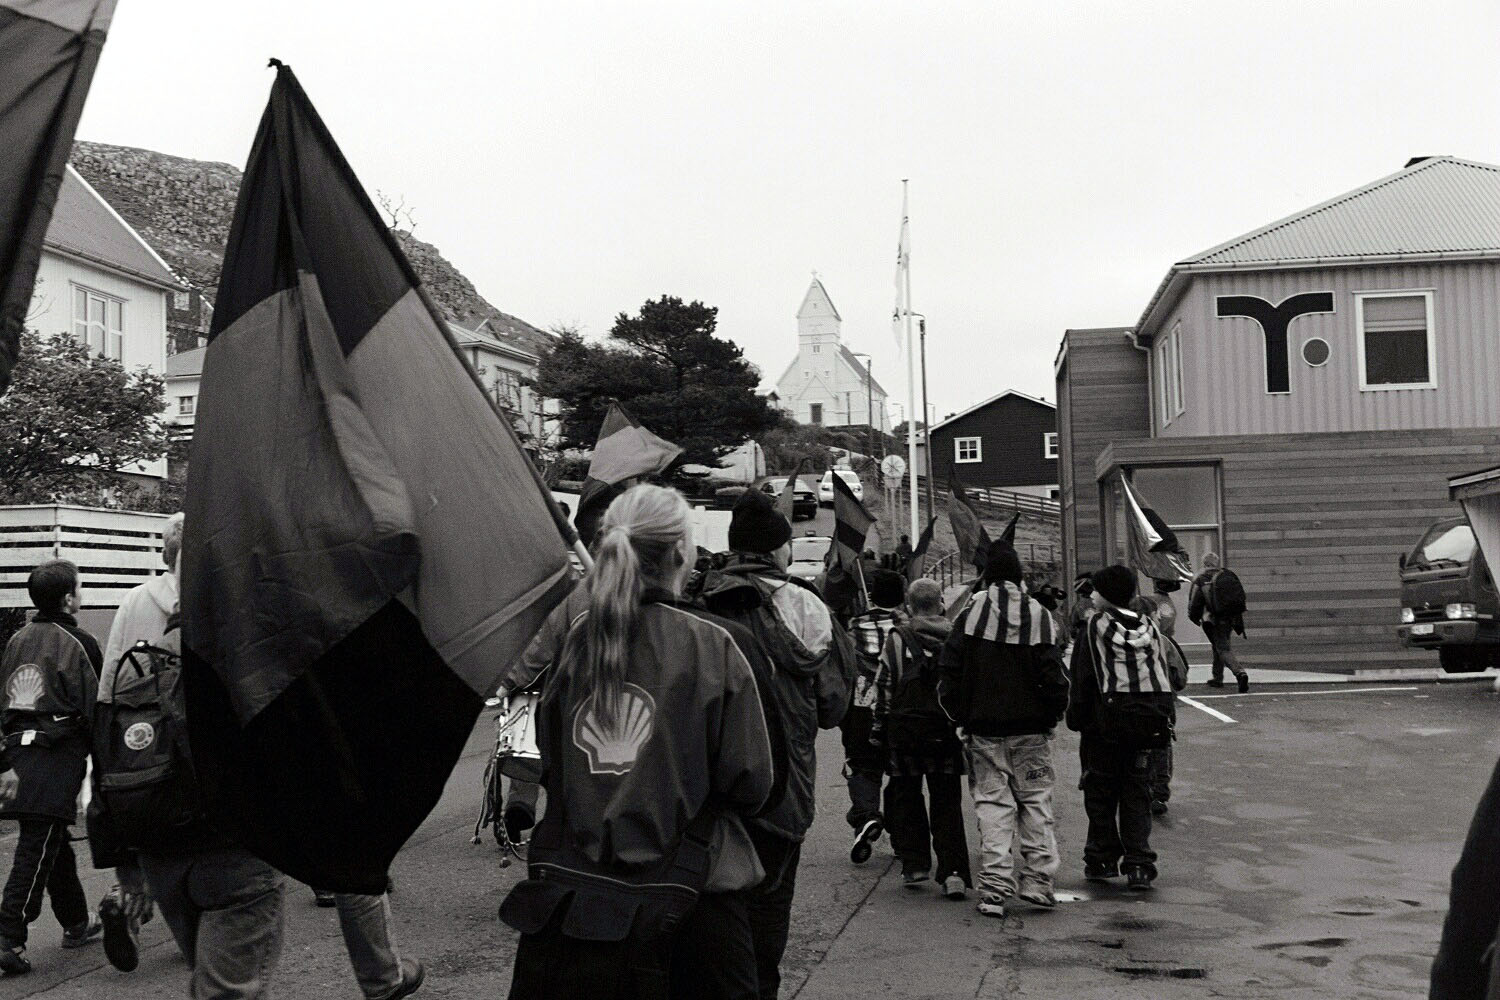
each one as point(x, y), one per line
point(825, 383)
point(505, 364)
point(184, 372)
point(100, 282)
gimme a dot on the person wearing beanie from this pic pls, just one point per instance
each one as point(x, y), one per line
point(864, 764)
point(814, 669)
point(1123, 704)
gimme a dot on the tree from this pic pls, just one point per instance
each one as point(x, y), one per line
point(70, 419)
point(667, 367)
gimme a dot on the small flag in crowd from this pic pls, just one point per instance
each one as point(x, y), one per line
point(788, 500)
point(48, 51)
point(367, 546)
point(973, 541)
point(918, 561)
point(1008, 536)
point(1154, 549)
point(851, 523)
point(626, 450)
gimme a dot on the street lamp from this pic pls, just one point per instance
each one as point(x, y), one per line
point(869, 401)
point(927, 426)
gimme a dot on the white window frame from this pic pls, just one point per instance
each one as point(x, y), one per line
point(187, 406)
point(958, 450)
point(1174, 370)
point(1359, 337)
point(113, 341)
point(1049, 444)
point(1163, 413)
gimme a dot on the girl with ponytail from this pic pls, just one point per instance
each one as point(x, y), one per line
point(654, 745)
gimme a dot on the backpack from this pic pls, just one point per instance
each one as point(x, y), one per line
point(143, 773)
point(1224, 595)
point(915, 719)
point(1135, 721)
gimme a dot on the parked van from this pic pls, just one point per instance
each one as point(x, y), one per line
point(1448, 599)
point(850, 478)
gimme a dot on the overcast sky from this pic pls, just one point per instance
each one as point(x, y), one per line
point(575, 159)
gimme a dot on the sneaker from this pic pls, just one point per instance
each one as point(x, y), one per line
point(324, 899)
point(954, 888)
point(77, 937)
point(1215, 682)
point(1244, 682)
point(13, 961)
point(412, 974)
point(1037, 896)
point(913, 879)
point(864, 841)
point(1139, 881)
point(992, 905)
point(120, 945)
point(1100, 873)
point(1158, 807)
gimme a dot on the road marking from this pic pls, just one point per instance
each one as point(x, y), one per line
point(1283, 694)
point(1204, 708)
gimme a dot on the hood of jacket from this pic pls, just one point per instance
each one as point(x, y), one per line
point(1132, 633)
point(163, 592)
point(931, 631)
point(750, 585)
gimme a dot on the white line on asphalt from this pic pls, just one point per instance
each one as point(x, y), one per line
point(1281, 694)
point(1204, 708)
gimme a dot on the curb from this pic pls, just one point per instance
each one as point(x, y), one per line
point(1428, 675)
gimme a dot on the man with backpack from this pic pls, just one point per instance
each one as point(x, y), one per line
point(1217, 603)
point(921, 745)
point(864, 765)
point(1122, 704)
point(1003, 684)
point(50, 675)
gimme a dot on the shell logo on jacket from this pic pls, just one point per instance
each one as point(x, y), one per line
point(26, 687)
point(614, 749)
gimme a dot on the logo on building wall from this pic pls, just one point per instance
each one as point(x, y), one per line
point(1274, 320)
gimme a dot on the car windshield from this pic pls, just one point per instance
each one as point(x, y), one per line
point(810, 549)
point(1446, 543)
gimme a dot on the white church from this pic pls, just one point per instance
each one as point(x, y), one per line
point(825, 383)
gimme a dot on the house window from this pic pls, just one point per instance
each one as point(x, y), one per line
point(817, 349)
point(508, 390)
point(1169, 396)
point(1049, 444)
point(967, 450)
point(99, 322)
point(1396, 349)
point(816, 412)
point(185, 405)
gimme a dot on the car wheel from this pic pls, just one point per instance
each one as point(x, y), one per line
point(1460, 659)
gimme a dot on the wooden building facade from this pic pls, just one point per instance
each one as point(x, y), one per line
point(1007, 442)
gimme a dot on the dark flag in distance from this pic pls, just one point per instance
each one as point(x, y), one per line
point(1154, 549)
point(624, 450)
point(788, 500)
point(1008, 536)
point(968, 531)
point(851, 523)
point(918, 561)
point(366, 545)
point(48, 51)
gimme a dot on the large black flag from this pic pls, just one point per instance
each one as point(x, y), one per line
point(367, 547)
point(48, 51)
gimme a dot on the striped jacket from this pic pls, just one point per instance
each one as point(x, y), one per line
point(1118, 653)
point(1001, 670)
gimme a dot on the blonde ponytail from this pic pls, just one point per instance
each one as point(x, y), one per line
point(645, 540)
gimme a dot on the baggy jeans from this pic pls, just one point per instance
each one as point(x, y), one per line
point(920, 829)
point(44, 864)
point(370, 939)
point(226, 911)
point(1010, 780)
point(1117, 798)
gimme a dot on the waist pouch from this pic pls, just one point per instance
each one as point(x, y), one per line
point(1135, 722)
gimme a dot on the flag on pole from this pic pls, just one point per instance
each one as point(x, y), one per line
point(1008, 536)
point(625, 449)
point(788, 499)
point(1154, 549)
point(903, 262)
point(366, 545)
point(918, 561)
point(973, 541)
point(851, 523)
point(48, 51)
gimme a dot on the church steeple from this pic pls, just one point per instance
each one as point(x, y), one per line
point(818, 320)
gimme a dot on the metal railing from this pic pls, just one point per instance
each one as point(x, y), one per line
point(996, 502)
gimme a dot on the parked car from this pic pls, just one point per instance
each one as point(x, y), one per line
point(808, 554)
point(804, 504)
point(849, 476)
point(1448, 599)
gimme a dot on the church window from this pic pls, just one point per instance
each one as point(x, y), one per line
point(817, 349)
point(817, 412)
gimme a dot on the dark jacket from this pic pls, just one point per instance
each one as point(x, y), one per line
point(1198, 610)
point(1116, 651)
point(1466, 966)
point(813, 664)
point(998, 681)
point(547, 645)
point(50, 672)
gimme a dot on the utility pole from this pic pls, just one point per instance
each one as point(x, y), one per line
point(926, 424)
point(869, 404)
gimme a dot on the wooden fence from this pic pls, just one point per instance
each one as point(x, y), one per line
point(114, 550)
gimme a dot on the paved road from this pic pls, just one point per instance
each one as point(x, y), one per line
point(1307, 855)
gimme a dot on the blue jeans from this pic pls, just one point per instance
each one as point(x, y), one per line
point(226, 912)
point(370, 939)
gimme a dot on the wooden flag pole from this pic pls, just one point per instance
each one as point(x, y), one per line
point(859, 567)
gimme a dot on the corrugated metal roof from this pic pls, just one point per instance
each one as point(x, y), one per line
point(1439, 205)
point(185, 363)
point(84, 225)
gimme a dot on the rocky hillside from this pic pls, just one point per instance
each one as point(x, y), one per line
point(183, 209)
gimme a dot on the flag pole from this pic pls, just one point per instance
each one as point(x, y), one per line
point(911, 385)
point(859, 566)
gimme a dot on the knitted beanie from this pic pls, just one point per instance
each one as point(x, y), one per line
point(756, 525)
point(1116, 584)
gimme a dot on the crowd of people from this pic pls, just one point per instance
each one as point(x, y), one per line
point(681, 699)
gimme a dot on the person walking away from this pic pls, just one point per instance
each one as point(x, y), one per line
point(903, 554)
point(50, 676)
point(1002, 682)
point(814, 672)
point(1121, 704)
point(864, 764)
point(1216, 602)
point(144, 609)
point(920, 744)
point(655, 747)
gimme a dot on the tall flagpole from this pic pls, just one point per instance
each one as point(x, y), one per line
point(911, 386)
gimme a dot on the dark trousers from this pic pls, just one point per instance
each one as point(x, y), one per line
point(1117, 798)
point(711, 957)
point(921, 828)
point(864, 766)
point(770, 907)
point(1219, 636)
point(1161, 774)
point(44, 863)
